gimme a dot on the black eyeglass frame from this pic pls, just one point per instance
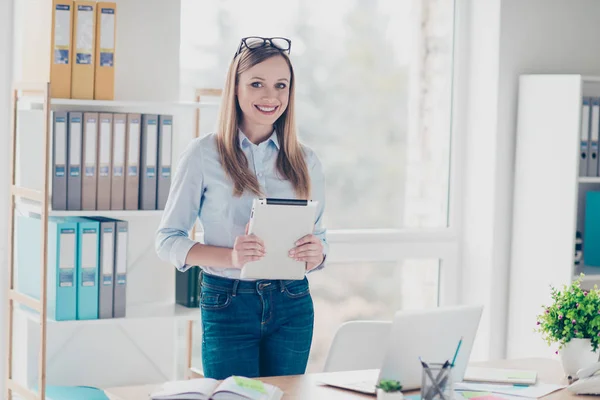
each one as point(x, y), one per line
point(244, 40)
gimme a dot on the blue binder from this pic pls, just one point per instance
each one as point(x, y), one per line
point(62, 255)
point(88, 266)
point(591, 236)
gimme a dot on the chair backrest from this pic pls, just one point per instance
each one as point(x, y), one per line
point(358, 345)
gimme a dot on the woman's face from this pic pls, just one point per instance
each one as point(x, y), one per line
point(263, 91)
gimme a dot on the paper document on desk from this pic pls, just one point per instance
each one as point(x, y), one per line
point(483, 396)
point(533, 391)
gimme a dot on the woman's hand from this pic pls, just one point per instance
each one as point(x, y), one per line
point(310, 250)
point(247, 248)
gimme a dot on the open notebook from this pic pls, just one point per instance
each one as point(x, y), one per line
point(232, 388)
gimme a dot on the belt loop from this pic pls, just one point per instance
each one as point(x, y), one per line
point(282, 284)
point(235, 285)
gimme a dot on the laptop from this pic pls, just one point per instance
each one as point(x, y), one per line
point(432, 334)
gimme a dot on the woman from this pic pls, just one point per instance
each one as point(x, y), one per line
point(249, 328)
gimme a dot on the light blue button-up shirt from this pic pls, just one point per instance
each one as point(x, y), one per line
point(201, 189)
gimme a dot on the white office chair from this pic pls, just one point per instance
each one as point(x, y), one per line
point(358, 345)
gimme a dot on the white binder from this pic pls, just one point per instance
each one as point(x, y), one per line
point(585, 135)
point(74, 172)
point(593, 145)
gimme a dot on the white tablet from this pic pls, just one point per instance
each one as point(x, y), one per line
point(279, 223)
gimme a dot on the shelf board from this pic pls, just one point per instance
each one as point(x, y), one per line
point(589, 179)
point(107, 213)
point(33, 103)
point(147, 311)
point(591, 274)
point(593, 79)
point(28, 206)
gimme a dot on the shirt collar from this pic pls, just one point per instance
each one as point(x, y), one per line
point(244, 139)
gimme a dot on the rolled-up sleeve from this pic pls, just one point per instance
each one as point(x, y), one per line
point(318, 194)
point(172, 240)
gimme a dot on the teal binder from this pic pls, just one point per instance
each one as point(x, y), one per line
point(88, 267)
point(591, 236)
point(62, 258)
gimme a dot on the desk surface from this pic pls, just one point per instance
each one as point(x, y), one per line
point(301, 387)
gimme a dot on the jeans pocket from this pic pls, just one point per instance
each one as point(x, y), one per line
point(214, 300)
point(297, 289)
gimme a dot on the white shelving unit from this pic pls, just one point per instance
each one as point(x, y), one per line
point(143, 347)
point(549, 198)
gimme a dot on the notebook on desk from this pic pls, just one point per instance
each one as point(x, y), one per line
point(232, 388)
point(498, 375)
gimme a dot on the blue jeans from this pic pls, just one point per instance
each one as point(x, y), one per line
point(255, 328)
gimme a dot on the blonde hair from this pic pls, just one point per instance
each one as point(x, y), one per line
point(290, 160)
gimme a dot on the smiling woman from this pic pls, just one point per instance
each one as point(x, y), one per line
point(261, 328)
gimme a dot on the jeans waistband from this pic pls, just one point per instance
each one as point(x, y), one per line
point(236, 286)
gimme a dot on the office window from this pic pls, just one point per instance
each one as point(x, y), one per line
point(374, 100)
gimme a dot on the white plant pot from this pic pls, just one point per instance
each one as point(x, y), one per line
point(381, 395)
point(577, 354)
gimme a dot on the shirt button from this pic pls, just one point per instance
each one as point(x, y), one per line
point(260, 174)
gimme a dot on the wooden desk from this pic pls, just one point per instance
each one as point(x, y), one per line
point(302, 387)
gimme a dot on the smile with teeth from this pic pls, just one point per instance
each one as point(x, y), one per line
point(267, 109)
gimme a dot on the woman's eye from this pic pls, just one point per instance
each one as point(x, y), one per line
point(256, 84)
point(281, 86)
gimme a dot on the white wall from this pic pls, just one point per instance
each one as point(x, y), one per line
point(6, 45)
point(149, 69)
point(537, 36)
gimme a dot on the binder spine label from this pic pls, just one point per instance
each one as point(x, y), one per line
point(107, 280)
point(84, 59)
point(107, 38)
point(90, 171)
point(121, 279)
point(66, 278)
point(106, 58)
point(62, 22)
point(85, 35)
point(132, 171)
point(74, 171)
point(150, 172)
point(61, 56)
point(60, 167)
point(88, 277)
point(118, 171)
point(66, 274)
point(89, 257)
point(104, 171)
point(165, 172)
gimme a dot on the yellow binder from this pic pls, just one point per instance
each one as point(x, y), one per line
point(84, 42)
point(60, 64)
point(105, 51)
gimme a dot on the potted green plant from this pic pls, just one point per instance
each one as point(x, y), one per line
point(573, 322)
point(389, 389)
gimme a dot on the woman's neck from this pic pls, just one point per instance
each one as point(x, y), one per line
point(256, 133)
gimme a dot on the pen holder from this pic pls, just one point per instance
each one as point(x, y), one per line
point(437, 382)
